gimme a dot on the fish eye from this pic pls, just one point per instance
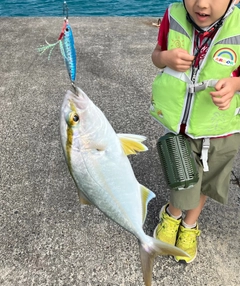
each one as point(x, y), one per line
point(73, 119)
point(67, 29)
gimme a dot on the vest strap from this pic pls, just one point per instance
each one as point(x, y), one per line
point(192, 87)
point(179, 75)
point(202, 85)
point(204, 154)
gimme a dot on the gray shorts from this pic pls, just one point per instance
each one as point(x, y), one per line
point(215, 182)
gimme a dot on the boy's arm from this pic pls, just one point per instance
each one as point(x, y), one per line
point(176, 59)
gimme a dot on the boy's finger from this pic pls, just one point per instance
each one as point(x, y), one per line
point(217, 94)
point(187, 57)
point(219, 85)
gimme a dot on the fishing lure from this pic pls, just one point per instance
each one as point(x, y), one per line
point(66, 45)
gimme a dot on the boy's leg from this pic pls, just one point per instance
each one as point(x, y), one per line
point(170, 215)
point(188, 232)
point(214, 184)
point(188, 199)
point(174, 211)
point(168, 226)
point(192, 215)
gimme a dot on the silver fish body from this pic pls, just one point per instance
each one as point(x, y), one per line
point(97, 160)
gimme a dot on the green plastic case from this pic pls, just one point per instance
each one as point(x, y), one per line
point(177, 160)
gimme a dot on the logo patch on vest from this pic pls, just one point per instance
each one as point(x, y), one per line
point(225, 56)
point(177, 43)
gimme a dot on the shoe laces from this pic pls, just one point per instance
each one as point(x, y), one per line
point(188, 236)
point(167, 221)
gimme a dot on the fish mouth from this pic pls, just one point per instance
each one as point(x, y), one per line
point(77, 98)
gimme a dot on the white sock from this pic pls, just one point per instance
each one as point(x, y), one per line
point(173, 216)
point(189, 225)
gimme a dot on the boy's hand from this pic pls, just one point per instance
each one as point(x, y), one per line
point(179, 59)
point(176, 59)
point(225, 90)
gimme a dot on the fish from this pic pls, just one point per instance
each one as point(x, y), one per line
point(97, 160)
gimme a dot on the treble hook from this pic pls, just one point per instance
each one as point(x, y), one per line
point(65, 10)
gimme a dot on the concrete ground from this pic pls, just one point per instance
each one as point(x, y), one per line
point(46, 237)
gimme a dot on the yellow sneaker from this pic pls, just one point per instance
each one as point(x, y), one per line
point(167, 228)
point(187, 241)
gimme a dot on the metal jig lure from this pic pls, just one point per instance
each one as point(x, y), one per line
point(66, 45)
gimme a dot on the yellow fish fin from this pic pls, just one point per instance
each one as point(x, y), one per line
point(132, 144)
point(83, 200)
point(147, 195)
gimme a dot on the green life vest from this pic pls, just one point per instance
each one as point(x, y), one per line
point(172, 106)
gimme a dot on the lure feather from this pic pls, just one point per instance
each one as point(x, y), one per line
point(44, 48)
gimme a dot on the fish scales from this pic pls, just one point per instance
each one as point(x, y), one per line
point(122, 201)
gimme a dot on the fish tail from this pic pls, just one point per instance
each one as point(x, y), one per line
point(151, 249)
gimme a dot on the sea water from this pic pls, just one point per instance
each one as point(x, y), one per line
point(52, 8)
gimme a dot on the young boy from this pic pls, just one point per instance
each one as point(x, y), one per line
point(197, 95)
